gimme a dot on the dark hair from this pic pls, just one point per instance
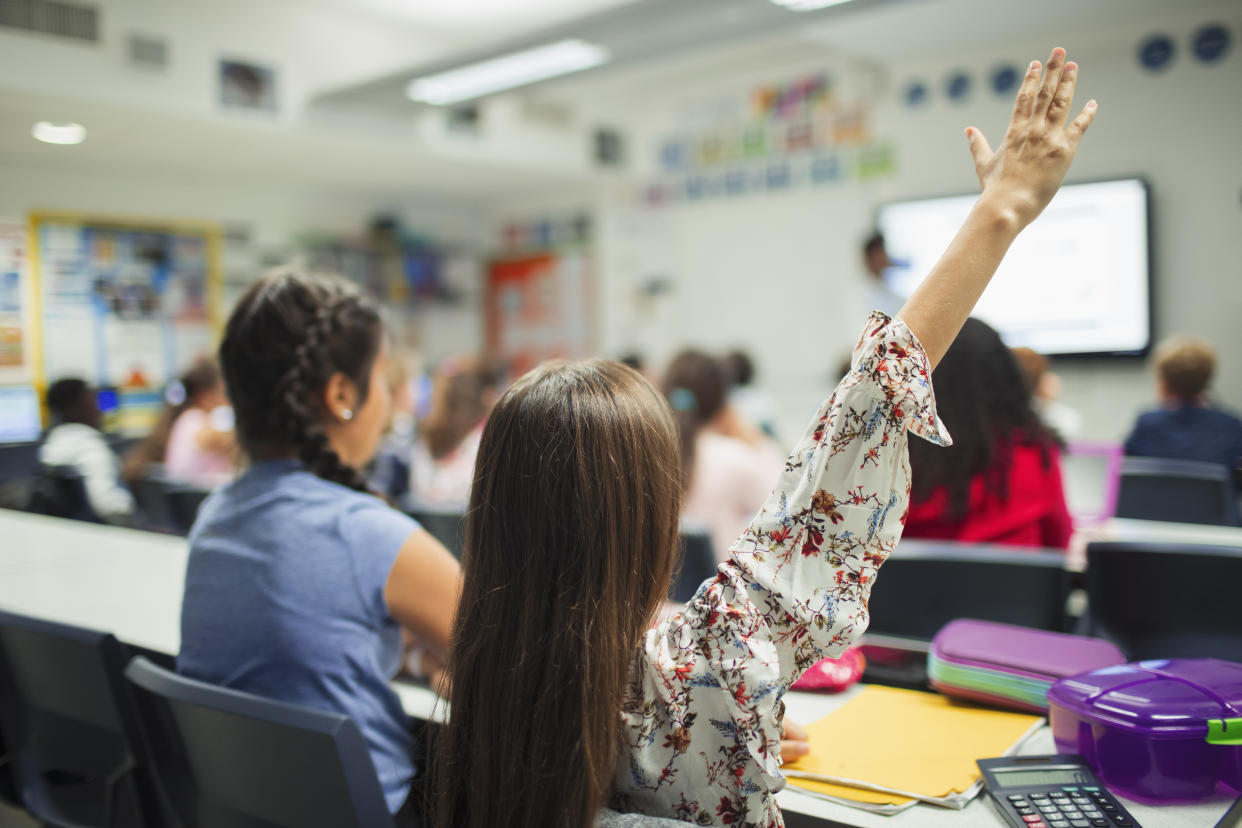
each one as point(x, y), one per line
point(202, 376)
point(288, 335)
point(874, 241)
point(66, 400)
point(1033, 366)
point(570, 542)
point(459, 402)
point(984, 402)
point(694, 384)
point(738, 367)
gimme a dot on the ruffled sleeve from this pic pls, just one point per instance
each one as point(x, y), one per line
point(704, 706)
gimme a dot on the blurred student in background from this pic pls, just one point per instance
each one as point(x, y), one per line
point(442, 459)
point(389, 474)
point(201, 446)
point(1045, 390)
point(728, 464)
point(74, 441)
point(300, 581)
point(1000, 481)
point(752, 404)
point(1187, 426)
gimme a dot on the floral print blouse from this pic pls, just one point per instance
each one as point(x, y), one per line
point(703, 707)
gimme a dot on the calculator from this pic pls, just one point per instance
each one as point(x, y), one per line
point(1057, 791)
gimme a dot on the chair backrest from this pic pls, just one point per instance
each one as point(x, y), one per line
point(925, 585)
point(1160, 600)
point(18, 461)
point(698, 563)
point(151, 497)
point(1180, 491)
point(226, 759)
point(69, 725)
point(184, 502)
point(445, 525)
point(60, 491)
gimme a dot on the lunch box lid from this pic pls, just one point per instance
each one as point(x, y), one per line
point(1166, 698)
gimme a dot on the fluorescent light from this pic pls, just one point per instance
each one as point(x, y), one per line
point(808, 5)
point(51, 133)
point(507, 72)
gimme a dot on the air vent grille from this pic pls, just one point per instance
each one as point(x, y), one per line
point(148, 52)
point(71, 20)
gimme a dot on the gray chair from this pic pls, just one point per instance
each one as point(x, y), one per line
point(70, 726)
point(18, 461)
point(226, 759)
point(1160, 600)
point(1180, 491)
point(697, 563)
point(926, 584)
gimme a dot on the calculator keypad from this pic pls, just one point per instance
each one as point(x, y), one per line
point(1071, 807)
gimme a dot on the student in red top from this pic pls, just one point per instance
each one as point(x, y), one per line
point(1000, 481)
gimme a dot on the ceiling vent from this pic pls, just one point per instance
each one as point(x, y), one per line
point(146, 52)
point(71, 20)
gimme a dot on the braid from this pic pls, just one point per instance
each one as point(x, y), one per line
point(288, 335)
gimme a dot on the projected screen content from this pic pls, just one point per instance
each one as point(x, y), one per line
point(1075, 282)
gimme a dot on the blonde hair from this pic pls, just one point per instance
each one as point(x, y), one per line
point(1185, 366)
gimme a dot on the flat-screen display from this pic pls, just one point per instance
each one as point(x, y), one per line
point(1077, 281)
point(20, 418)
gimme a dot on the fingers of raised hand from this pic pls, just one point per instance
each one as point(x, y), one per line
point(980, 151)
point(1059, 106)
point(1051, 80)
point(1079, 125)
point(1025, 102)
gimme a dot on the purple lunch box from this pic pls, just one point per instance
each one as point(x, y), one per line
point(1168, 729)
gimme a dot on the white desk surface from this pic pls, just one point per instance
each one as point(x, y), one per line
point(1148, 531)
point(129, 583)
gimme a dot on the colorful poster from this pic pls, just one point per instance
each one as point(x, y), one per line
point(13, 322)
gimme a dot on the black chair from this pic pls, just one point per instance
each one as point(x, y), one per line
point(1159, 600)
point(60, 491)
point(18, 461)
point(183, 504)
point(69, 723)
point(225, 759)
point(698, 563)
point(154, 506)
point(926, 584)
point(1181, 491)
point(447, 526)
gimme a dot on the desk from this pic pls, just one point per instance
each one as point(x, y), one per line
point(129, 583)
point(1125, 530)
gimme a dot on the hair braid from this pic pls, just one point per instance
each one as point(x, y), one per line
point(276, 385)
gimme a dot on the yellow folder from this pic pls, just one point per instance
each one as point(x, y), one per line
point(904, 744)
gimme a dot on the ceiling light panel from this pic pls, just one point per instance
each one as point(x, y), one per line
point(50, 133)
point(507, 72)
point(808, 5)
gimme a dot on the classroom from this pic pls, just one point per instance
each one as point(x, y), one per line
point(620, 414)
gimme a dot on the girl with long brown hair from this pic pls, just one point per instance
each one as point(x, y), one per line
point(565, 696)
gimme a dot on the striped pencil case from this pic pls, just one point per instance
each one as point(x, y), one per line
point(1010, 666)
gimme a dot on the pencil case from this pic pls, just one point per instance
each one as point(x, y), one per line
point(834, 674)
point(1010, 666)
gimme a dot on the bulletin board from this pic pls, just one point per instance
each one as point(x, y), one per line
point(120, 302)
point(539, 307)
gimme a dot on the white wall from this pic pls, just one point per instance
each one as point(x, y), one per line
point(779, 274)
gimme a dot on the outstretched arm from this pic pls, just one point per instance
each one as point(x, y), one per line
point(1018, 179)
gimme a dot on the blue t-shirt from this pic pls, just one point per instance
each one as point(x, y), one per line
point(284, 598)
point(1188, 432)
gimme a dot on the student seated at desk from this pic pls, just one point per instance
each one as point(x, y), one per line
point(299, 581)
point(75, 441)
point(190, 440)
point(1187, 426)
point(565, 694)
point(727, 464)
point(1000, 481)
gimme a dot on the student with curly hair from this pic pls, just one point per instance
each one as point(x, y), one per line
point(300, 581)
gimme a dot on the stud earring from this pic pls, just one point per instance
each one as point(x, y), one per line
point(346, 414)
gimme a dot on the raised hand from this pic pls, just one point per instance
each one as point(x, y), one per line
point(1023, 173)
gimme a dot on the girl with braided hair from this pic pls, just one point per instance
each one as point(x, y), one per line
point(300, 582)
